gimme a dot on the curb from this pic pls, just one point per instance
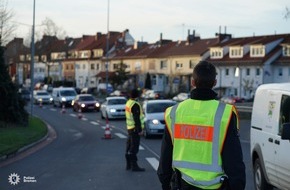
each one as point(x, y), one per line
point(45, 140)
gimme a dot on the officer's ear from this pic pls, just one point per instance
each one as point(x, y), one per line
point(214, 83)
point(193, 83)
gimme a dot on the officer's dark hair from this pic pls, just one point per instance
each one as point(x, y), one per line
point(135, 93)
point(204, 75)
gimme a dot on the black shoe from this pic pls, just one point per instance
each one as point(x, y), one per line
point(136, 168)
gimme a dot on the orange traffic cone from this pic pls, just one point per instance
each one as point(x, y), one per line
point(63, 109)
point(80, 115)
point(107, 134)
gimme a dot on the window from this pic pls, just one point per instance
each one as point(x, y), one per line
point(227, 72)
point(216, 53)
point(163, 64)
point(66, 67)
point(115, 66)
point(178, 65)
point(258, 71)
point(98, 66)
point(191, 64)
point(284, 112)
point(84, 66)
point(248, 72)
point(236, 52)
point(257, 51)
point(280, 72)
point(286, 50)
point(92, 66)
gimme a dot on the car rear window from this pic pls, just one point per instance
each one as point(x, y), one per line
point(158, 107)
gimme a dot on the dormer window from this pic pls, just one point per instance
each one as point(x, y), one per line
point(286, 50)
point(257, 51)
point(216, 53)
point(236, 52)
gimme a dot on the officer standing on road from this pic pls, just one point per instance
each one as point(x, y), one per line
point(135, 125)
point(200, 146)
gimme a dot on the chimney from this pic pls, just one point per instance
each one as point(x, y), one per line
point(160, 39)
point(98, 35)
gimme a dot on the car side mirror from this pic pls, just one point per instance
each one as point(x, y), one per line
point(285, 135)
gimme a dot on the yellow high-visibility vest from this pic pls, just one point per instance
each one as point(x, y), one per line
point(129, 116)
point(198, 130)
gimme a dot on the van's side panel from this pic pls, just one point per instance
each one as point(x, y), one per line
point(263, 119)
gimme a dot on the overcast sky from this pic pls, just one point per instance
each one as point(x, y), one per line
point(146, 19)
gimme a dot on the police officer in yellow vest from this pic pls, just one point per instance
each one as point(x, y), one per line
point(200, 146)
point(135, 125)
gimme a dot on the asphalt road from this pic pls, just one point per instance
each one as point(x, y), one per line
point(78, 157)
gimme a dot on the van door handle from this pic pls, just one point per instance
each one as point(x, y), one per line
point(270, 140)
point(277, 142)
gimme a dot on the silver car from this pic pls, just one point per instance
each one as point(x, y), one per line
point(113, 108)
point(154, 116)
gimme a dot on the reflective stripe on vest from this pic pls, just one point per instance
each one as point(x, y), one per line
point(195, 132)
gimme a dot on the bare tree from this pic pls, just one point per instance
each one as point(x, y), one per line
point(47, 27)
point(287, 13)
point(51, 29)
point(6, 26)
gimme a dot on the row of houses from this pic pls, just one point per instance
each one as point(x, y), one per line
point(242, 63)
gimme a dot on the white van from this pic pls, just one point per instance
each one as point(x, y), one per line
point(270, 137)
point(63, 96)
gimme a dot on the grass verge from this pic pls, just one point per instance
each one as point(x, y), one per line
point(14, 138)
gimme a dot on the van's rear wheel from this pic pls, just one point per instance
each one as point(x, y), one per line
point(259, 177)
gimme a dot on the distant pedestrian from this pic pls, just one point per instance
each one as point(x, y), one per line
point(200, 146)
point(135, 126)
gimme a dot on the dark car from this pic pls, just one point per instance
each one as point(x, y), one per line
point(85, 102)
point(25, 94)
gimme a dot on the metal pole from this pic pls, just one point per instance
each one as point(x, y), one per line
point(32, 60)
point(107, 47)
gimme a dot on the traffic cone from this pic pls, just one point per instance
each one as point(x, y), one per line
point(80, 115)
point(63, 109)
point(107, 134)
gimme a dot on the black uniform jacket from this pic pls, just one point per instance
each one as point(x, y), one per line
point(232, 156)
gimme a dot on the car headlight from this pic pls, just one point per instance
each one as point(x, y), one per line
point(63, 99)
point(83, 105)
point(113, 110)
point(51, 99)
point(154, 121)
point(97, 105)
point(72, 102)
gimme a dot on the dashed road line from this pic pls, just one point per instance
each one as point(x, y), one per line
point(120, 135)
point(153, 162)
point(94, 123)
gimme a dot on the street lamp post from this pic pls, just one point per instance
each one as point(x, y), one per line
point(107, 47)
point(32, 60)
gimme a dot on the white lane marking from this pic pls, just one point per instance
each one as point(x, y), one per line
point(94, 123)
point(120, 135)
point(53, 109)
point(153, 162)
point(141, 147)
point(84, 119)
point(73, 115)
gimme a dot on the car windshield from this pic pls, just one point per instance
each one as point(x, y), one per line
point(42, 93)
point(87, 98)
point(116, 101)
point(158, 107)
point(68, 93)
